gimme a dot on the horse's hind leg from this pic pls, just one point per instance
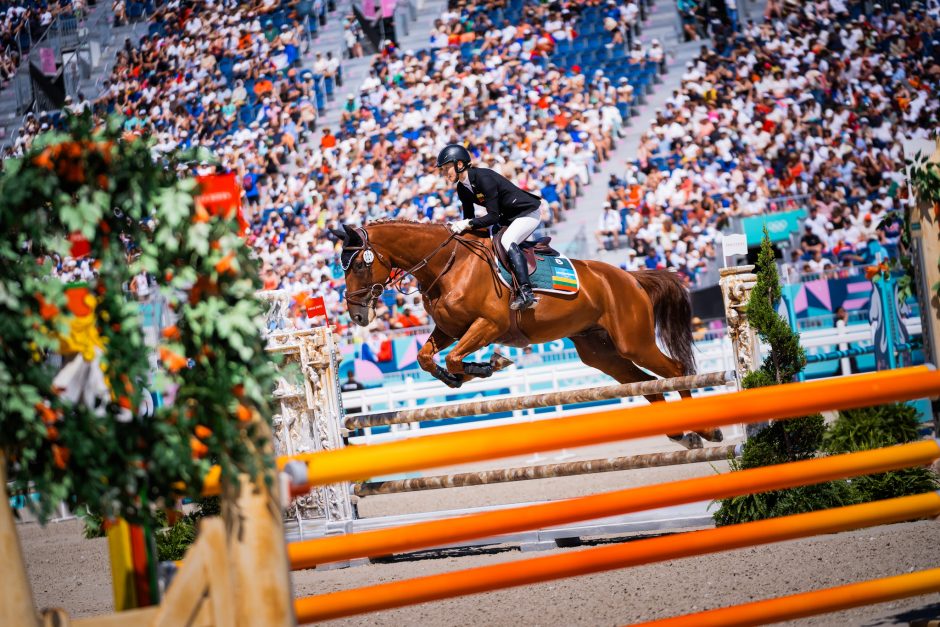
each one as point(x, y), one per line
point(598, 351)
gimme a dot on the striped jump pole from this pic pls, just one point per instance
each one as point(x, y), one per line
point(697, 414)
point(600, 559)
point(545, 471)
point(549, 399)
point(422, 535)
point(810, 603)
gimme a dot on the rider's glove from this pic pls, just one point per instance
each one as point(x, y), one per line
point(460, 226)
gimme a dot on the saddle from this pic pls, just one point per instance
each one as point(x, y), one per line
point(529, 248)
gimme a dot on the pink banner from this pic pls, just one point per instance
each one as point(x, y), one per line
point(368, 9)
point(388, 7)
point(47, 61)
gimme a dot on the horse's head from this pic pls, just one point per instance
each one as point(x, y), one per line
point(367, 273)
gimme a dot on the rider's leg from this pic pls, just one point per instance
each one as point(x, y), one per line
point(517, 232)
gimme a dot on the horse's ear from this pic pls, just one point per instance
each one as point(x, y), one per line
point(339, 234)
point(352, 237)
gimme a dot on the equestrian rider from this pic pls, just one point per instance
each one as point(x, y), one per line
point(505, 204)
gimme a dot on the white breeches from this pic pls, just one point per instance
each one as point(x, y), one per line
point(521, 228)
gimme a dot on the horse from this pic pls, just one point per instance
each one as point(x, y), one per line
point(612, 319)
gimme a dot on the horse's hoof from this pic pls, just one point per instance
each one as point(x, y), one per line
point(690, 440)
point(712, 435)
point(499, 362)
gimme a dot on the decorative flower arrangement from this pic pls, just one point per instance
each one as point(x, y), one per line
point(71, 428)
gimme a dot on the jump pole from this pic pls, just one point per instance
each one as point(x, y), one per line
point(310, 553)
point(545, 471)
point(570, 564)
point(756, 405)
point(810, 603)
point(549, 399)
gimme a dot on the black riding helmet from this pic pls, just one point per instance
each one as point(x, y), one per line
point(457, 153)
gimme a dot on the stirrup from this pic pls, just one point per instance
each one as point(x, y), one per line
point(524, 300)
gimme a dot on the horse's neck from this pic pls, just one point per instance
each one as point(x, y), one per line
point(408, 245)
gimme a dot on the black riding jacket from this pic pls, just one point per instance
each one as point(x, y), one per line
point(503, 200)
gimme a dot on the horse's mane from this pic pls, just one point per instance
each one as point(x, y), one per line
point(382, 221)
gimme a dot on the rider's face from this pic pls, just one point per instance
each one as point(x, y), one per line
point(450, 172)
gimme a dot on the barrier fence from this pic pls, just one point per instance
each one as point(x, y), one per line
point(545, 471)
point(646, 551)
point(549, 399)
point(696, 414)
point(810, 603)
point(441, 532)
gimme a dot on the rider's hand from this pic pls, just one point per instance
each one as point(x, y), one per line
point(460, 226)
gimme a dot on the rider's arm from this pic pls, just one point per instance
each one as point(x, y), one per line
point(468, 210)
point(490, 192)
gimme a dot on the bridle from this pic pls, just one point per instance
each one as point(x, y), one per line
point(369, 255)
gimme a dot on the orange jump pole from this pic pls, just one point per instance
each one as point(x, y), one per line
point(356, 463)
point(447, 585)
point(810, 603)
point(309, 553)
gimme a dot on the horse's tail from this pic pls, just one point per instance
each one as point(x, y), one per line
point(672, 310)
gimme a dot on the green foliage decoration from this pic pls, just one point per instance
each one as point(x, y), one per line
point(869, 428)
point(781, 441)
point(87, 185)
point(786, 357)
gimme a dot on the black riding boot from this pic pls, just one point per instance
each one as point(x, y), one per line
point(524, 298)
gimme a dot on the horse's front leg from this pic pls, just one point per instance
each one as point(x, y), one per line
point(481, 333)
point(437, 342)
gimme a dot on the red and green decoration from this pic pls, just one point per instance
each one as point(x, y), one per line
point(73, 362)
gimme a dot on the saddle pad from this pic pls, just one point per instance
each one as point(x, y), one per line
point(553, 275)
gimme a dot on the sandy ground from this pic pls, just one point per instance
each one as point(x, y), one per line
point(68, 571)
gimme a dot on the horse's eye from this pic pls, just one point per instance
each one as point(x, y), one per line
point(359, 265)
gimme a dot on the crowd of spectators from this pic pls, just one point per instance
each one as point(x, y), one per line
point(545, 128)
point(226, 77)
point(808, 105)
point(807, 109)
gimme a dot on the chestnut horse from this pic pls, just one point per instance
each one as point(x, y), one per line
point(611, 319)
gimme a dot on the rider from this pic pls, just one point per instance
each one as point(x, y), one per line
point(505, 204)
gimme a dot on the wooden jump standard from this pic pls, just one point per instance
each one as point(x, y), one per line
point(757, 405)
point(544, 471)
point(415, 536)
point(549, 399)
point(571, 564)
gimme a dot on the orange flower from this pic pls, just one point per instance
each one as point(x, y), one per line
point(60, 456)
point(48, 311)
point(215, 245)
point(198, 449)
point(52, 432)
point(171, 332)
point(203, 285)
point(124, 402)
point(173, 361)
point(225, 264)
point(238, 389)
point(243, 413)
point(48, 415)
point(202, 432)
point(44, 159)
